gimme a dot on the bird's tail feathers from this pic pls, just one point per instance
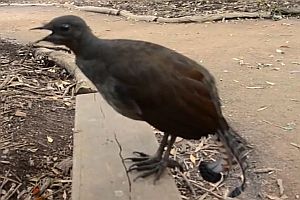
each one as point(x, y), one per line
point(233, 148)
point(236, 148)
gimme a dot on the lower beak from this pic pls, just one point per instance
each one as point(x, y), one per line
point(38, 28)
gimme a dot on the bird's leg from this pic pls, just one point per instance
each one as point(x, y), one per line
point(145, 157)
point(166, 162)
point(156, 164)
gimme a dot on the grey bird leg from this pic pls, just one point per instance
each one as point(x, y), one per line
point(166, 160)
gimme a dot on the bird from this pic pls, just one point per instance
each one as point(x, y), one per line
point(152, 83)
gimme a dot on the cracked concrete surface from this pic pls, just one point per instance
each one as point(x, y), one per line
point(124, 165)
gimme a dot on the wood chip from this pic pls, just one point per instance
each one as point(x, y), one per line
point(49, 139)
point(294, 72)
point(264, 170)
point(296, 63)
point(255, 87)
point(276, 198)
point(280, 185)
point(193, 159)
point(270, 83)
point(19, 113)
point(279, 51)
point(262, 108)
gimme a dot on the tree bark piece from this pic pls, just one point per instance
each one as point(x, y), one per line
point(66, 60)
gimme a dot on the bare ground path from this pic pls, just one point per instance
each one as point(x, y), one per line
point(256, 65)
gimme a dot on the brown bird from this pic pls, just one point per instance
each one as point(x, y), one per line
point(149, 82)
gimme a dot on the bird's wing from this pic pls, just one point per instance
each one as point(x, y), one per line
point(169, 88)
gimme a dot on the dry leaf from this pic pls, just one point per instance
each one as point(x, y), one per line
point(193, 159)
point(36, 191)
point(50, 140)
point(173, 152)
point(199, 147)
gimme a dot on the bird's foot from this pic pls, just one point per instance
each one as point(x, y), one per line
point(151, 164)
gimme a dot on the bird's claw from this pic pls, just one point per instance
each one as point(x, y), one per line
point(141, 157)
point(155, 168)
point(141, 154)
point(151, 164)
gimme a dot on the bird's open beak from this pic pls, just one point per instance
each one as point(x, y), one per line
point(45, 27)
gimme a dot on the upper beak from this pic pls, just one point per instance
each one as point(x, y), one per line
point(45, 27)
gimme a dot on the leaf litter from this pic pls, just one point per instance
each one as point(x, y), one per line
point(37, 114)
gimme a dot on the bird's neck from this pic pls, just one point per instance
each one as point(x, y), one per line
point(82, 47)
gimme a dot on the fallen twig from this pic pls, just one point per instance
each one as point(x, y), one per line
point(295, 145)
point(11, 191)
point(282, 127)
point(207, 190)
point(188, 183)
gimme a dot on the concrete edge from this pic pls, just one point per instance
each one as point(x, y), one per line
point(147, 18)
point(67, 61)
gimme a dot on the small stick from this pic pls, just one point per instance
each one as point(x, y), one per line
point(11, 192)
point(213, 188)
point(207, 190)
point(68, 89)
point(282, 127)
point(8, 179)
point(295, 145)
point(187, 182)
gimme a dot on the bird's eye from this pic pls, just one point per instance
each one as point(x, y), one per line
point(65, 27)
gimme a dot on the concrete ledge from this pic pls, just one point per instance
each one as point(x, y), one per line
point(102, 139)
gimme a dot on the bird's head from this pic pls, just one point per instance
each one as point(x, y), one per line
point(65, 30)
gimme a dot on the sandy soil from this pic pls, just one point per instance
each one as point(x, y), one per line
point(256, 64)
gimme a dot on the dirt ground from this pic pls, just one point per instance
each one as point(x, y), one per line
point(37, 118)
point(256, 64)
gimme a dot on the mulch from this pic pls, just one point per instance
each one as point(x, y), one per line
point(177, 11)
point(180, 8)
point(37, 119)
